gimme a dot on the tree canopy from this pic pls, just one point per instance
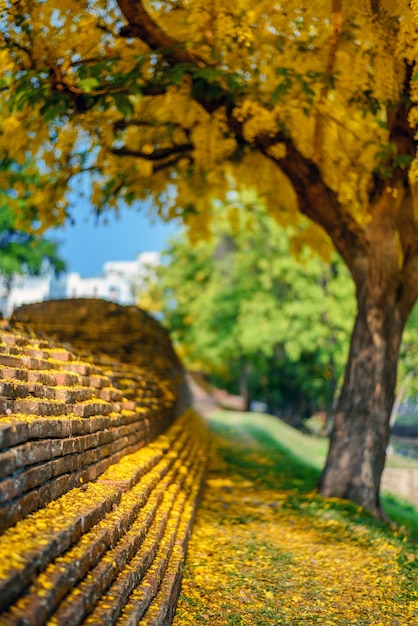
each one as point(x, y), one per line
point(178, 102)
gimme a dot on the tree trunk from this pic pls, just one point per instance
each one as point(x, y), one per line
point(360, 431)
point(243, 384)
point(381, 253)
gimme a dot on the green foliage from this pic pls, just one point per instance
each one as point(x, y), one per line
point(21, 251)
point(240, 307)
point(408, 361)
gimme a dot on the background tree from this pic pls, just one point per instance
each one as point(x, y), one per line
point(259, 322)
point(176, 102)
point(22, 252)
point(407, 388)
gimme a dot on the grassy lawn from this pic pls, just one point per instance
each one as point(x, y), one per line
point(310, 449)
point(267, 550)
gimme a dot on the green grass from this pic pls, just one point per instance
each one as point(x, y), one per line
point(300, 460)
point(309, 448)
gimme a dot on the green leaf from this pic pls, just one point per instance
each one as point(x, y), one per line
point(403, 160)
point(89, 84)
point(306, 89)
point(123, 104)
point(178, 72)
point(281, 90)
point(209, 74)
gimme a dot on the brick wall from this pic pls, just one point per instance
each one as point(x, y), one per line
point(101, 466)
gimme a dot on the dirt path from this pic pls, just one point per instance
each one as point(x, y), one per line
point(201, 400)
point(261, 555)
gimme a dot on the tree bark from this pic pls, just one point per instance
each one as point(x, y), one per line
point(360, 431)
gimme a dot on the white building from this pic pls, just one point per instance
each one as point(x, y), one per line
point(121, 282)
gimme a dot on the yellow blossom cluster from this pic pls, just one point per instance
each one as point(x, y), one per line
point(257, 119)
point(211, 145)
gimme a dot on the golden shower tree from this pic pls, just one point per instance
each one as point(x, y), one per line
point(179, 102)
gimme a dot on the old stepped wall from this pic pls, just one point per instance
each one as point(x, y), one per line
point(101, 466)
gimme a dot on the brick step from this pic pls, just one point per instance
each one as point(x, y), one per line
point(48, 407)
point(70, 394)
point(162, 546)
point(28, 348)
point(115, 572)
point(136, 383)
point(140, 569)
point(17, 382)
point(161, 611)
point(14, 338)
point(17, 460)
point(33, 358)
point(32, 543)
point(17, 429)
point(127, 517)
point(55, 378)
point(51, 373)
point(127, 472)
point(29, 362)
point(20, 390)
point(33, 488)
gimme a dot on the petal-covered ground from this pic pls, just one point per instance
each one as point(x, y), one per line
point(267, 550)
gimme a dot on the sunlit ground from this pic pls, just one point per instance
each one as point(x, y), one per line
point(267, 550)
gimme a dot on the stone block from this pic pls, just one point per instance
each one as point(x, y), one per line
point(8, 463)
point(12, 432)
point(34, 363)
point(12, 373)
point(88, 409)
point(35, 406)
point(54, 428)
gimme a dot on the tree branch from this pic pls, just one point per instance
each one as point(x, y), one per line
point(320, 203)
point(21, 48)
point(89, 60)
point(141, 25)
point(169, 163)
point(122, 124)
point(156, 155)
point(375, 6)
point(315, 199)
point(173, 52)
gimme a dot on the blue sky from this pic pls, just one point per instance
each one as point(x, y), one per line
point(87, 245)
